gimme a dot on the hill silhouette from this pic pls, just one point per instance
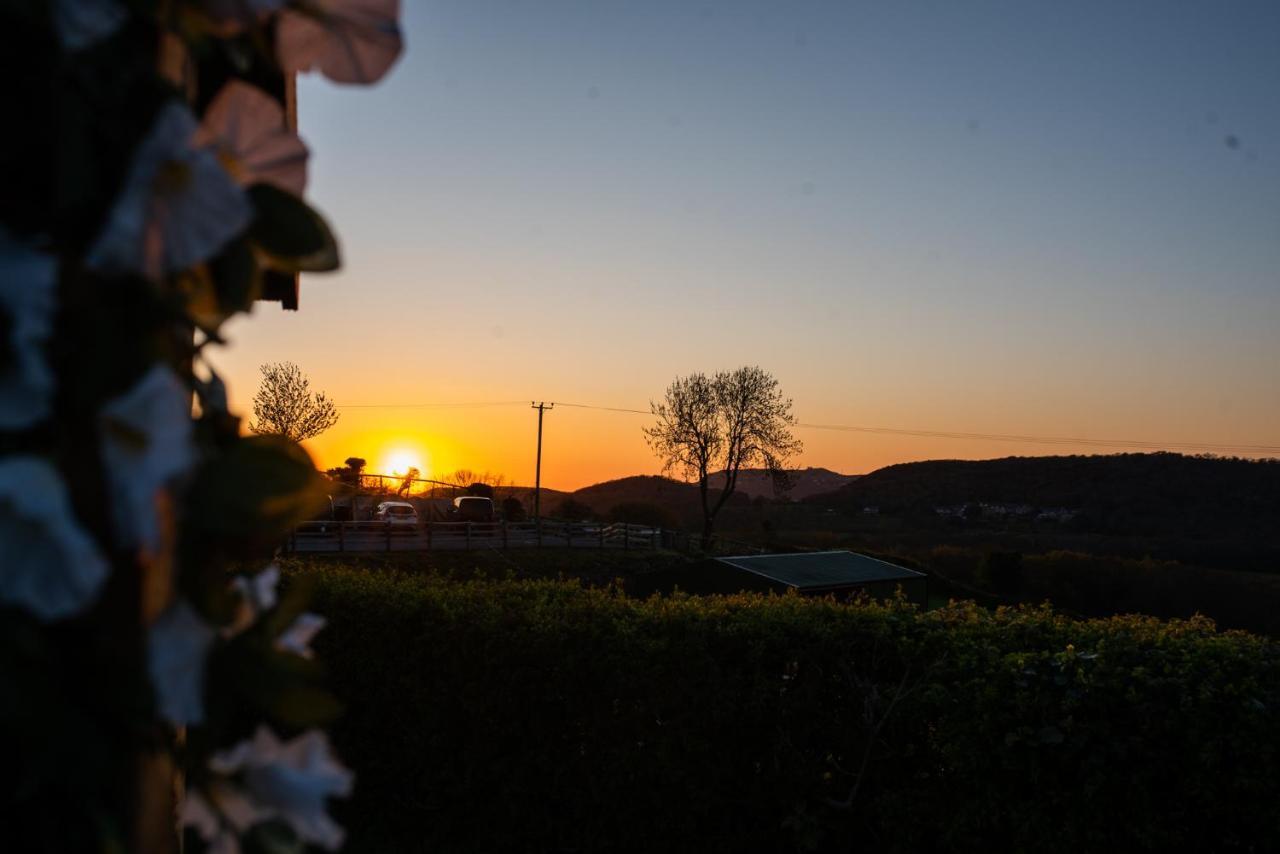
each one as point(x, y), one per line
point(803, 483)
point(1159, 494)
point(676, 496)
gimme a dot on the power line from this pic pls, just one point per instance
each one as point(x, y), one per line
point(604, 408)
point(455, 405)
point(1080, 441)
point(1003, 437)
point(1051, 440)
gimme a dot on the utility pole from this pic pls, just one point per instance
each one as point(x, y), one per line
point(537, 473)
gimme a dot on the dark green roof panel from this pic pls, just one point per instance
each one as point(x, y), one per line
point(818, 570)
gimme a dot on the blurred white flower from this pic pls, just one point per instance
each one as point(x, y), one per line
point(349, 41)
point(50, 566)
point(146, 442)
point(257, 596)
point(81, 23)
point(220, 837)
point(28, 290)
point(286, 780)
point(246, 128)
point(297, 638)
point(177, 646)
point(178, 206)
point(260, 590)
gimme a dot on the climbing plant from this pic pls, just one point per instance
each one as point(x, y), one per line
point(155, 685)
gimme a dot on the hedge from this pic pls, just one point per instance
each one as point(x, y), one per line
point(543, 716)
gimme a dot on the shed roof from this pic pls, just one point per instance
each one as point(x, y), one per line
point(820, 570)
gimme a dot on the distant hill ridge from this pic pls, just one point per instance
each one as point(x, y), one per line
point(752, 483)
point(1132, 493)
point(803, 483)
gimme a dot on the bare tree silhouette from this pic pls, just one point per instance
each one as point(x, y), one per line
point(286, 406)
point(723, 423)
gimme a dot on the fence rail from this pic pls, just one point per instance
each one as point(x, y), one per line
point(388, 536)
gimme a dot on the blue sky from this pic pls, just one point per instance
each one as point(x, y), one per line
point(1057, 219)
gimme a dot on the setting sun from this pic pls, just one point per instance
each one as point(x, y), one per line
point(400, 460)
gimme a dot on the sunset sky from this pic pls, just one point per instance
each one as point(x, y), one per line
point(979, 217)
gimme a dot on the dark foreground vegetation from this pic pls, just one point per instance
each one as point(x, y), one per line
point(545, 716)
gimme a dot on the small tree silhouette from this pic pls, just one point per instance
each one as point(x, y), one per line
point(406, 483)
point(286, 406)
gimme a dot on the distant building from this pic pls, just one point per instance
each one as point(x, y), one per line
point(1056, 514)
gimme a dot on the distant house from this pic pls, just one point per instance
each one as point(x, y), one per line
point(839, 573)
point(1056, 514)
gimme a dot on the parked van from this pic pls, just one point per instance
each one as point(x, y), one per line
point(473, 508)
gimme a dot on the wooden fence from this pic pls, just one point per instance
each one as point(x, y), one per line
point(390, 536)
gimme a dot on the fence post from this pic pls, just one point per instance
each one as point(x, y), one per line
point(388, 532)
point(539, 527)
point(653, 539)
point(568, 535)
point(468, 536)
point(342, 536)
point(600, 531)
point(626, 536)
point(504, 533)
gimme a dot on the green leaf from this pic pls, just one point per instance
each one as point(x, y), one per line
point(289, 234)
point(248, 498)
point(235, 277)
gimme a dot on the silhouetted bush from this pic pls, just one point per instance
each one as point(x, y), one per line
point(513, 509)
point(573, 510)
point(1099, 585)
point(481, 490)
point(1002, 572)
point(543, 716)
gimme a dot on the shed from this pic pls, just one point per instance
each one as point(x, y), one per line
point(840, 573)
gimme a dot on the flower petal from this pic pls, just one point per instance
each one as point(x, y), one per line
point(28, 283)
point(177, 646)
point(50, 567)
point(247, 127)
point(146, 443)
point(297, 638)
point(178, 206)
point(290, 780)
point(349, 41)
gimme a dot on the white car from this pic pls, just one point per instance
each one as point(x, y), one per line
point(401, 514)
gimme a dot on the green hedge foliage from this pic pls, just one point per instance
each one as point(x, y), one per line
point(542, 716)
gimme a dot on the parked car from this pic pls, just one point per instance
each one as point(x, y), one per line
point(473, 508)
point(402, 515)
